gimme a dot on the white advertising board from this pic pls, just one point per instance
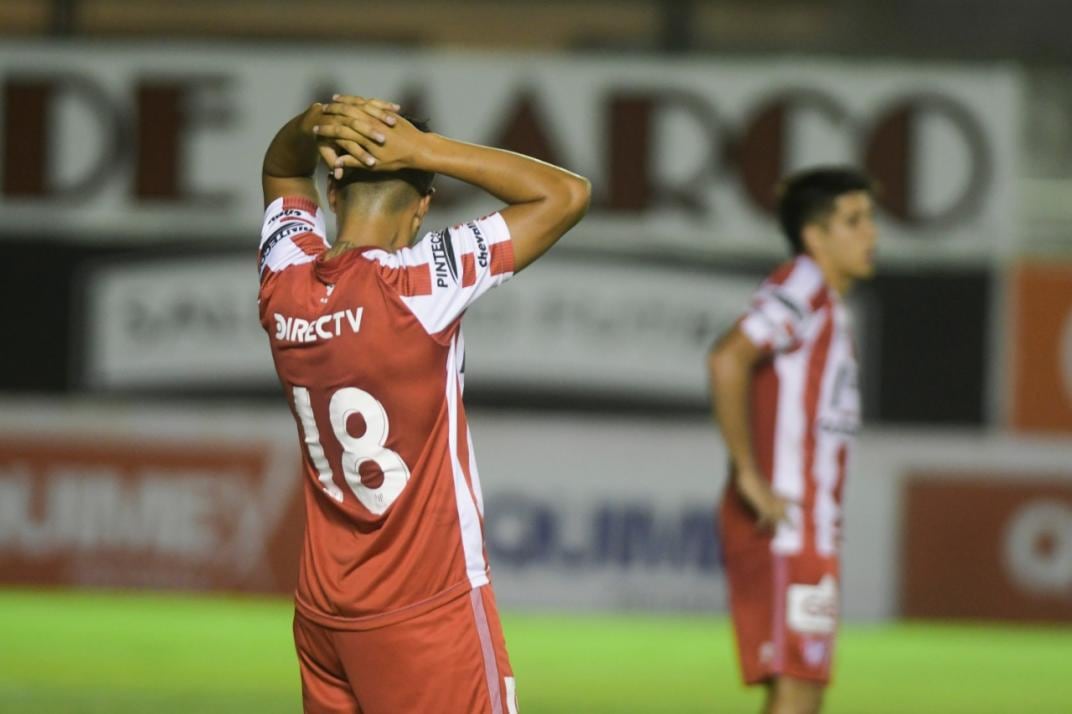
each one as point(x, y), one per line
point(566, 325)
point(165, 142)
point(583, 513)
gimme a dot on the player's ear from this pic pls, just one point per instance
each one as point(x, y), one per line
point(333, 196)
point(425, 203)
point(420, 213)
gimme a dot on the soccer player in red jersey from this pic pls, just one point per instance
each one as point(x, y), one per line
point(394, 606)
point(784, 387)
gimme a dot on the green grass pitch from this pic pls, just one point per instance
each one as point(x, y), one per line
point(126, 653)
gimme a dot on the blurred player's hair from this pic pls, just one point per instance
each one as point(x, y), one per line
point(420, 181)
point(809, 197)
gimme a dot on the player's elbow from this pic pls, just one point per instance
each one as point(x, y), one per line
point(574, 197)
point(581, 195)
point(716, 359)
point(719, 351)
point(723, 362)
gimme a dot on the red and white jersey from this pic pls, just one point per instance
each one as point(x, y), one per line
point(805, 409)
point(368, 348)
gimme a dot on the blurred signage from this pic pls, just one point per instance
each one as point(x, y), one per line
point(113, 512)
point(995, 546)
point(568, 327)
point(1042, 325)
point(175, 323)
point(684, 156)
point(178, 498)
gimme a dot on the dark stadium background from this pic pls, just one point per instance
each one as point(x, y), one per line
point(959, 512)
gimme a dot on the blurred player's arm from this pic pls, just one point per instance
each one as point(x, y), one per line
point(290, 161)
point(543, 201)
point(730, 366)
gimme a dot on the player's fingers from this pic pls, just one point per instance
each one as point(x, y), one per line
point(348, 99)
point(328, 153)
point(361, 101)
point(357, 151)
point(349, 111)
point(349, 161)
point(382, 113)
point(362, 123)
point(364, 115)
point(350, 131)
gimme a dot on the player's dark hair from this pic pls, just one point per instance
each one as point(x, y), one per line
point(809, 196)
point(421, 181)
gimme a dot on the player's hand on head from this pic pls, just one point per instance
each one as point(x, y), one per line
point(352, 128)
point(770, 508)
point(370, 132)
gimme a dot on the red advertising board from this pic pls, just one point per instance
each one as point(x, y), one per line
point(989, 546)
point(1042, 344)
point(148, 513)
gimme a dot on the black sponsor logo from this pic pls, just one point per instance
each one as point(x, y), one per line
point(444, 263)
point(789, 303)
point(284, 231)
point(481, 245)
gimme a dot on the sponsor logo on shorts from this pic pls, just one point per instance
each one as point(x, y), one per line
point(812, 609)
point(815, 651)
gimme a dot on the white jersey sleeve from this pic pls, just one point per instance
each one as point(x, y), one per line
point(292, 233)
point(782, 309)
point(445, 272)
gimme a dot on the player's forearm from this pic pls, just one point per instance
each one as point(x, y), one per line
point(730, 380)
point(293, 151)
point(512, 178)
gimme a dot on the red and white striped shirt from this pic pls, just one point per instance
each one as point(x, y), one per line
point(805, 409)
point(368, 347)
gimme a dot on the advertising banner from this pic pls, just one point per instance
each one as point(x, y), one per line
point(1042, 345)
point(210, 499)
point(991, 546)
point(582, 512)
point(567, 326)
point(167, 141)
point(109, 512)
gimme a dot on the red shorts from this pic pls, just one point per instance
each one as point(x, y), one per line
point(785, 614)
point(450, 659)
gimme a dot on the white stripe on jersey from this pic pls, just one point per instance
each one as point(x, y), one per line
point(826, 469)
point(443, 256)
point(511, 695)
point(468, 514)
point(487, 650)
point(803, 282)
point(789, 426)
point(474, 474)
point(780, 314)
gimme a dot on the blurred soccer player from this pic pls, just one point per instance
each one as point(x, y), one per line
point(784, 386)
point(394, 606)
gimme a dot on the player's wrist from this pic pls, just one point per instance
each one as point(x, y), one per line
point(305, 121)
point(748, 473)
point(431, 153)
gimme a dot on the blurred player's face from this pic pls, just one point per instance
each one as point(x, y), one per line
point(844, 243)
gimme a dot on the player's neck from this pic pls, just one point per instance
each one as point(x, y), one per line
point(370, 230)
point(837, 280)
